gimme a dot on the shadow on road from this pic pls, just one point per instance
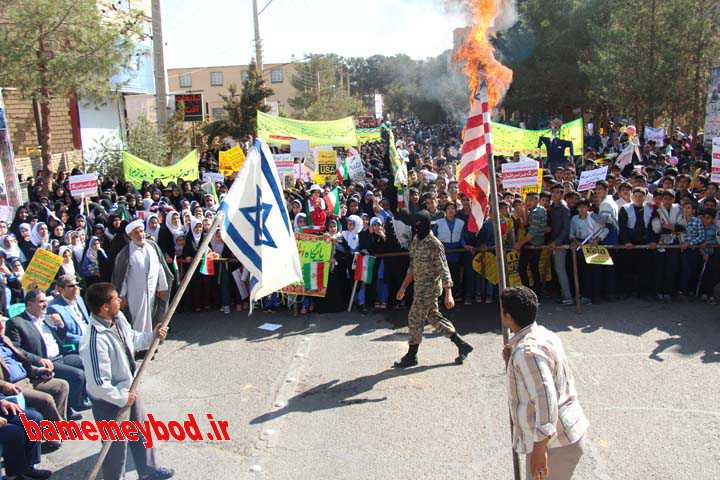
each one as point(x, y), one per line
point(334, 395)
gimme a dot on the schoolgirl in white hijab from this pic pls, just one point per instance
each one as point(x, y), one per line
point(196, 232)
point(10, 248)
point(151, 231)
point(68, 265)
point(40, 237)
point(174, 224)
point(354, 227)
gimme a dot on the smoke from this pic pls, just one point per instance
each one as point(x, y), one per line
point(507, 14)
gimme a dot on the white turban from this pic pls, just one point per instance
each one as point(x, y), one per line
point(133, 225)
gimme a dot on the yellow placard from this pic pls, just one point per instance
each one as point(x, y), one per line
point(42, 270)
point(327, 164)
point(366, 135)
point(596, 255)
point(232, 160)
point(136, 170)
point(490, 269)
point(507, 140)
point(312, 248)
point(280, 130)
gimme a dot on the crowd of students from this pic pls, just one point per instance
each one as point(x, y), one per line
point(663, 201)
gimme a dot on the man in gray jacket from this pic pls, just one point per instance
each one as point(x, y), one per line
point(559, 236)
point(107, 351)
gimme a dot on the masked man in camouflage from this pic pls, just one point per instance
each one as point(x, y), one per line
point(429, 271)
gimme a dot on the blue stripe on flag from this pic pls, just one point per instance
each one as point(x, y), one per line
point(273, 186)
point(235, 236)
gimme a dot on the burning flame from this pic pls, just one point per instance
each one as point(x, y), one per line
point(479, 55)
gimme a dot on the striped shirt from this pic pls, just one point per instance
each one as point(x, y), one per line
point(543, 400)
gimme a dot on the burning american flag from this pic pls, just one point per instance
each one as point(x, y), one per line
point(476, 153)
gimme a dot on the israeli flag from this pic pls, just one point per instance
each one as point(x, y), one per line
point(257, 226)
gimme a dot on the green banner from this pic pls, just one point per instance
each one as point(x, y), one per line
point(137, 170)
point(507, 140)
point(366, 135)
point(279, 130)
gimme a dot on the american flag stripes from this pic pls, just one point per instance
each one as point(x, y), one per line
point(476, 153)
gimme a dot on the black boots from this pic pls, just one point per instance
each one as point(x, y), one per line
point(410, 358)
point(464, 348)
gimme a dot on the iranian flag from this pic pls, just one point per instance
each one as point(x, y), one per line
point(364, 265)
point(314, 275)
point(332, 201)
point(207, 264)
point(342, 170)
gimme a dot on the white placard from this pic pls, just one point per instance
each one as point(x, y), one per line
point(715, 171)
point(214, 177)
point(589, 178)
point(270, 327)
point(355, 167)
point(520, 174)
point(84, 185)
point(655, 134)
point(285, 164)
point(299, 148)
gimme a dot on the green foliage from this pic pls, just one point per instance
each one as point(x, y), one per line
point(252, 99)
point(51, 48)
point(145, 142)
point(175, 137)
point(240, 118)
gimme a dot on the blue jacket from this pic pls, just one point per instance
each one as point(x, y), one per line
point(71, 333)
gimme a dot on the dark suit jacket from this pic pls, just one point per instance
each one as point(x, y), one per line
point(71, 333)
point(26, 338)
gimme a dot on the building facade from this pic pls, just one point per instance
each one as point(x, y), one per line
point(211, 82)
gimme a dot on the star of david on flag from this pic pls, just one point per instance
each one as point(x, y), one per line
point(257, 226)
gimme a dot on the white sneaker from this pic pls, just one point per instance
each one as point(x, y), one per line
point(225, 310)
point(567, 302)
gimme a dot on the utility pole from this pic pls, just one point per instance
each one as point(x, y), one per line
point(159, 66)
point(258, 42)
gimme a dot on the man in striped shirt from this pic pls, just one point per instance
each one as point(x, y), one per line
point(548, 422)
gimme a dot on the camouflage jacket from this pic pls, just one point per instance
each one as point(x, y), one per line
point(428, 265)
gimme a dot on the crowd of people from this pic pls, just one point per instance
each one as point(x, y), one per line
point(663, 201)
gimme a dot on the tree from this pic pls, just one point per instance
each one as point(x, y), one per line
point(175, 137)
point(252, 100)
point(54, 48)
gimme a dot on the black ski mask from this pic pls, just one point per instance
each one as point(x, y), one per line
point(421, 224)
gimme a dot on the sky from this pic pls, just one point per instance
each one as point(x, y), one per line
point(201, 33)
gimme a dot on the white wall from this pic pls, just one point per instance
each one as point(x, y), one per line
point(97, 122)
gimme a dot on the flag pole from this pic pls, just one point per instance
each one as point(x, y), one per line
point(156, 341)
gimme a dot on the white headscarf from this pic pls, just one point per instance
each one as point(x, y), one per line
point(147, 203)
point(296, 222)
point(174, 229)
point(195, 236)
point(69, 267)
point(351, 236)
point(13, 251)
point(25, 226)
point(154, 233)
point(35, 237)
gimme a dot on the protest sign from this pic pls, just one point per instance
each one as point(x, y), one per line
point(84, 185)
point(712, 110)
point(42, 270)
point(596, 255)
point(715, 172)
point(327, 164)
point(366, 135)
point(312, 249)
point(280, 130)
point(489, 268)
point(655, 134)
point(355, 168)
point(589, 178)
point(507, 140)
point(231, 161)
point(285, 164)
point(520, 174)
point(135, 170)
point(299, 148)
point(213, 177)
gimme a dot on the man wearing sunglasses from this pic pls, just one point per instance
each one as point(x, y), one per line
point(73, 312)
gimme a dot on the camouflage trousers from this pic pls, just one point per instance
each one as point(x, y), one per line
point(425, 310)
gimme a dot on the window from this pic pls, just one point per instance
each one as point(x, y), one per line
point(244, 76)
point(276, 75)
point(185, 81)
point(216, 79)
point(218, 113)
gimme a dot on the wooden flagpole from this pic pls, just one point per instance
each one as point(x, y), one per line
point(156, 341)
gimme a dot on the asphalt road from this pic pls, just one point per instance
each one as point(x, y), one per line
point(317, 399)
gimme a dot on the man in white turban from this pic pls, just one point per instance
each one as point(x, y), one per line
point(143, 278)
